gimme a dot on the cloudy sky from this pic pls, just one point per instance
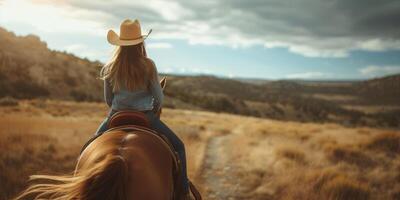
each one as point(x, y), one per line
point(272, 39)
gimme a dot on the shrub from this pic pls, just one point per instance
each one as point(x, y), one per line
point(349, 155)
point(388, 142)
point(29, 89)
point(82, 94)
point(396, 194)
point(292, 154)
point(8, 101)
point(344, 188)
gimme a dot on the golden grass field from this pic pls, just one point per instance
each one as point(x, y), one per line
point(229, 157)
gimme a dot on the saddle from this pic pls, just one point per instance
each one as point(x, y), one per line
point(124, 118)
point(137, 121)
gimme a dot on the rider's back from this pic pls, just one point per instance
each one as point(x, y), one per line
point(140, 99)
point(144, 98)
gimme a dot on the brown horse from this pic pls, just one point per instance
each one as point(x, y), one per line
point(129, 161)
point(147, 161)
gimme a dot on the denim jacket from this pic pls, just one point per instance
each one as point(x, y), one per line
point(134, 100)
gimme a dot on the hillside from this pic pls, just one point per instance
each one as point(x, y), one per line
point(28, 69)
point(288, 100)
point(386, 89)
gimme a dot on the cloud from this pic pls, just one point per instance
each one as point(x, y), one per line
point(307, 75)
point(85, 51)
point(312, 28)
point(187, 70)
point(374, 71)
point(158, 45)
point(75, 47)
point(53, 18)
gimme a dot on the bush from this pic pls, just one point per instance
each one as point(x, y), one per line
point(81, 94)
point(388, 142)
point(29, 89)
point(8, 101)
point(292, 154)
point(78, 95)
point(22, 88)
point(344, 188)
point(349, 155)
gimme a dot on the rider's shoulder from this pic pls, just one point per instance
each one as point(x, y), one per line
point(149, 61)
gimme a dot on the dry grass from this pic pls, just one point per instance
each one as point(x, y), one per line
point(326, 184)
point(259, 158)
point(26, 156)
point(31, 145)
point(335, 97)
point(292, 154)
point(371, 109)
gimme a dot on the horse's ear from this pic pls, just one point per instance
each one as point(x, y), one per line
point(163, 82)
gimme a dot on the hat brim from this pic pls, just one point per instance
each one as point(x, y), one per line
point(114, 39)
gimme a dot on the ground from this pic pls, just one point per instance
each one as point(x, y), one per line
point(229, 156)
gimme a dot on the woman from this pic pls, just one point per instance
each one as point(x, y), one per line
point(131, 83)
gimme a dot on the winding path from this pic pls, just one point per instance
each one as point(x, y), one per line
point(218, 173)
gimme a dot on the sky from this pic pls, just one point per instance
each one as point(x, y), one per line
point(266, 39)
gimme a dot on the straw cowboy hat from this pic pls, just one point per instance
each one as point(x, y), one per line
point(130, 34)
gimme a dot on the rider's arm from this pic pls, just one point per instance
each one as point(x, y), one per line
point(156, 91)
point(108, 94)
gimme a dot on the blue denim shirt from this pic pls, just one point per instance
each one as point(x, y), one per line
point(134, 100)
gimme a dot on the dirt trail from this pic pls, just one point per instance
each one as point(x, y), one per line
point(218, 171)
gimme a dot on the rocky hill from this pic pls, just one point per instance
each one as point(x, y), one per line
point(28, 69)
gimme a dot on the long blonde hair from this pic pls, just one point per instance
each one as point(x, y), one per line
point(102, 175)
point(130, 68)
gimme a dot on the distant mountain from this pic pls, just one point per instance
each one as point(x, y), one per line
point(256, 81)
point(28, 69)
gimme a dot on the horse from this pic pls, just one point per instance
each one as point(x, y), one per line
point(128, 161)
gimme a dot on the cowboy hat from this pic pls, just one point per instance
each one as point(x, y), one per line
point(130, 34)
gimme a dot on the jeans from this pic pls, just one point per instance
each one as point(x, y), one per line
point(159, 126)
point(103, 126)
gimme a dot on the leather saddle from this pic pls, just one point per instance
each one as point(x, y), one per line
point(123, 118)
point(137, 121)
